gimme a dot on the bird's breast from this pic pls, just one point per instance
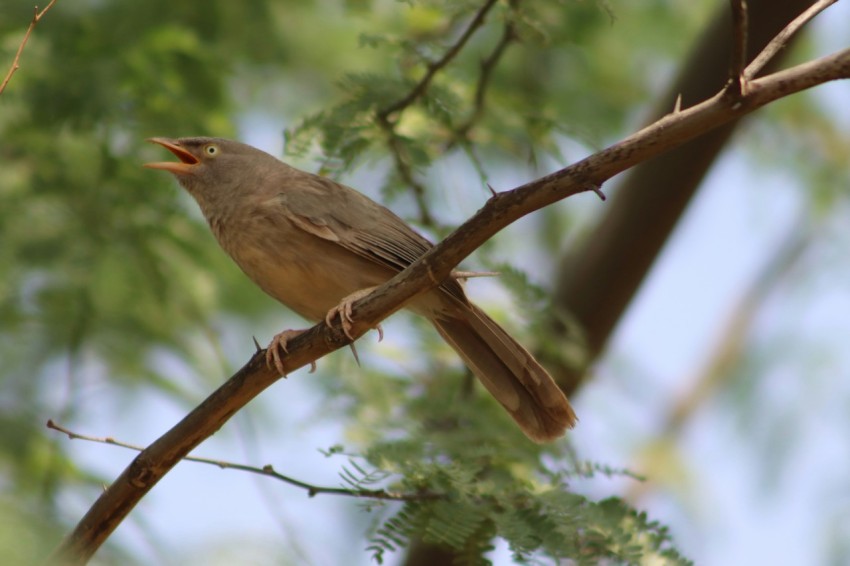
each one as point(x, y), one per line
point(306, 273)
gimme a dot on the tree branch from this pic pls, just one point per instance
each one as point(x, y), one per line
point(487, 66)
point(781, 40)
point(405, 171)
point(15, 66)
point(426, 273)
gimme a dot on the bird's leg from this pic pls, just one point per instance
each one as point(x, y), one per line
point(343, 310)
point(278, 345)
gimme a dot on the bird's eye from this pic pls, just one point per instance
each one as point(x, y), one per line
point(211, 150)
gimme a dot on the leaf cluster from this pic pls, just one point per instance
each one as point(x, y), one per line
point(466, 475)
point(471, 494)
point(505, 94)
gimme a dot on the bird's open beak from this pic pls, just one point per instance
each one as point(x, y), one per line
point(187, 162)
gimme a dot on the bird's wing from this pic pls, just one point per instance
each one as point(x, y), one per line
point(340, 214)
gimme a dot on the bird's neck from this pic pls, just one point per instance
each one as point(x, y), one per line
point(229, 217)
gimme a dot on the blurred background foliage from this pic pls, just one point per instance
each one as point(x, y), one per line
point(113, 291)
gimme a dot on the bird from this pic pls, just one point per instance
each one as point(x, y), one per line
point(316, 245)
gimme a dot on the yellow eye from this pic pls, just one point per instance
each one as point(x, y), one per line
point(211, 150)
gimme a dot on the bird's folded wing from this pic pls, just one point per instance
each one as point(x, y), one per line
point(358, 224)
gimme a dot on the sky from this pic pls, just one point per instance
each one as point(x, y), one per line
point(737, 515)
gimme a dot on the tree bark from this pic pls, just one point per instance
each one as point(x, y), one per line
point(598, 279)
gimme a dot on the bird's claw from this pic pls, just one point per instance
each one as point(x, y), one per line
point(274, 359)
point(344, 311)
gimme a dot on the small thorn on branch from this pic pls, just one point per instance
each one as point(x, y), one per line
point(473, 274)
point(492, 190)
point(598, 190)
point(353, 351)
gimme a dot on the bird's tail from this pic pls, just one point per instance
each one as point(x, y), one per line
point(508, 372)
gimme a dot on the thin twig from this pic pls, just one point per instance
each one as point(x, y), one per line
point(779, 42)
point(740, 25)
point(405, 171)
point(15, 66)
point(487, 66)
point(434, 67)
point(388, 125)
point(267, 470)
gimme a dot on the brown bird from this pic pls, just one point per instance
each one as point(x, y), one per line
point(316, 245)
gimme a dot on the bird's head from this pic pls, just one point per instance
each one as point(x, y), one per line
point(212, 169)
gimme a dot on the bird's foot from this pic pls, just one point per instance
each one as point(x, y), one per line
point(343, 310)
point(277, 348)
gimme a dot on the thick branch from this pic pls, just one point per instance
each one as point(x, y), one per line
point(500, 211)
point(589, 173)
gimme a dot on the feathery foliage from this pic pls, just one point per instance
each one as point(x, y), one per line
point(112, 285)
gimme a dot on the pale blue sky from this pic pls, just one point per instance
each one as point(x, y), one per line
point(732, 518)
